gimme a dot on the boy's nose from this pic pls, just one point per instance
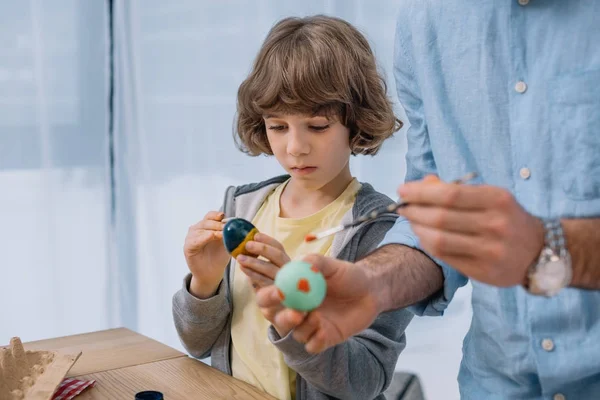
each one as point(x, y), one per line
point(297, 144)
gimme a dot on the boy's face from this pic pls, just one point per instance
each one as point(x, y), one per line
point(312, 149)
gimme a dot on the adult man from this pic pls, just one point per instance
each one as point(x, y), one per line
point(511, 90)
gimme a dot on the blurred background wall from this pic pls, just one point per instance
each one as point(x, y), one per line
point(116, 123)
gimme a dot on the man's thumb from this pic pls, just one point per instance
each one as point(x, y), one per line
point(327, 265)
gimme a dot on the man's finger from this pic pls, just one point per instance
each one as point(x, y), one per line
point(304, 331)
point(288, 319)
point(443, 243)
point(326, 336)
point(268, 297)
point(454, 220)
point(269, 313)
point(327, 265)
point(451, 195)
point(317, 343)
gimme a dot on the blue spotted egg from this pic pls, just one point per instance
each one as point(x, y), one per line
point(301, 286)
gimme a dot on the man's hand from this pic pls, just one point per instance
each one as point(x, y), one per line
point(479, 230)
point(351, 305)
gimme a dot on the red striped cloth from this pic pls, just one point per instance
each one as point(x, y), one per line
point(69, 388)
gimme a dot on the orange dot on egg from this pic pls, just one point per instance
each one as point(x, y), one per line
point(281, 295)
point(314, 269)
point(303, 285)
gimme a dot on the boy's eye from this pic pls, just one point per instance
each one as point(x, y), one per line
point(276, 127)
point(319, 128)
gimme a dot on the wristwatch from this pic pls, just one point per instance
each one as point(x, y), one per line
point(552, 270)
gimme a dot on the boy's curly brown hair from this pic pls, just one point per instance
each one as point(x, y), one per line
point(316, 65)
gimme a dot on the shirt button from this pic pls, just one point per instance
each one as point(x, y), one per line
point(521, 87)
point(525, 173)
point(523, 2)
point(548, 344)
point(559, 396)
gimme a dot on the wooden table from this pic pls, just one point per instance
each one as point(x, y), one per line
point(124, 362)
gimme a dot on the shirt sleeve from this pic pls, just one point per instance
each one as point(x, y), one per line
point(420, 161)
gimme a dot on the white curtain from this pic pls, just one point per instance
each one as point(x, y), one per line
point(54, 201)
point(179, 65)
point(106, 158)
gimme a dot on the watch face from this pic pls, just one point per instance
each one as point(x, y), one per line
point(552, 274)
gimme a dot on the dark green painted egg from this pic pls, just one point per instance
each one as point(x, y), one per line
point(236, 233)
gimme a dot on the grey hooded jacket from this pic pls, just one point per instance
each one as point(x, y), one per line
point(360, 368)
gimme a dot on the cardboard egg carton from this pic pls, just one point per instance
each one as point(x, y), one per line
point(31, 375)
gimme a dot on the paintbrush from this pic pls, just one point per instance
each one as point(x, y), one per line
point(374, 214)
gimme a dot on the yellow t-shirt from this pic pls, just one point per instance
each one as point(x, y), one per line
point(254, 358)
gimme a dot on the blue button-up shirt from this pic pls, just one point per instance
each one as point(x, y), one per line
point(511, 91)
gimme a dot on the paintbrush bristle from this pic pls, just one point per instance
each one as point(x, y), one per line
point(310, 237)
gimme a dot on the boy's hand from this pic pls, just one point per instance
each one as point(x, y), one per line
point(206, 255)
point(261, 272)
